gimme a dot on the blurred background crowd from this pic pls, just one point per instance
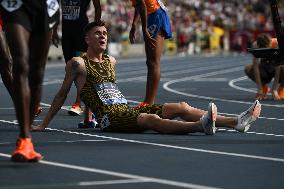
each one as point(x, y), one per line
point(211, 26)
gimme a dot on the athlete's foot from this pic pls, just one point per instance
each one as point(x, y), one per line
point(263, 96)
point(247, 117)
point(91, 123)
point(75, 110)
point(208, 120)
point(38, 111)
point(25, 151)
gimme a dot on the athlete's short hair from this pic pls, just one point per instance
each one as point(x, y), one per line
point(263, 40)
point(96, 23)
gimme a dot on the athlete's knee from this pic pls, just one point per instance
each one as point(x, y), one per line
point(183, 105)
point(148, 119)
point(20, 65)
point(152, 63)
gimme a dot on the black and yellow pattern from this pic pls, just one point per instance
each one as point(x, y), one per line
point(122, 118)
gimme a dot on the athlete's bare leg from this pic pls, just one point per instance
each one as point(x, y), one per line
point(167, 126)
point(191, 114)
point(154, 49)
point(37, 62)
point(5, 63)
point(29, 56)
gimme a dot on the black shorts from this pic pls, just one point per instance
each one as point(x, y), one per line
point(37, 16)
point(73, 39)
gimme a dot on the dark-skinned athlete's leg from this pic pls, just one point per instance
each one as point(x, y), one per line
point(5, 63)
point(37, 62)
point(154, 49)
point(28, 65)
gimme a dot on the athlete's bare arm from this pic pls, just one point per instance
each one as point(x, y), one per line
point(112, 60)
point(75, 71)
point(132, 36)
point(98, 9)
point(258, 82)
point(141, 10)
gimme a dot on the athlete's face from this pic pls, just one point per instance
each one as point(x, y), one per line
point(97, 38)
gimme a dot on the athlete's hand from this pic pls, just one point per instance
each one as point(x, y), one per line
point(37, 128)
point(55, 38)
point(132, 36)
point(151, 42)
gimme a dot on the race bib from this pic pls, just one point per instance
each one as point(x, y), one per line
point(11, 5)
point(110, 94)
point(52, 7)
point(71, 12)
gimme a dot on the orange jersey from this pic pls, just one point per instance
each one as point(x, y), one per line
point(151, 5)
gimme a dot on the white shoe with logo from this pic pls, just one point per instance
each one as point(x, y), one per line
point(247, 117)
point(208, 120)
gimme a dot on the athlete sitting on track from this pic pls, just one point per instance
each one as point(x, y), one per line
point(94, 75)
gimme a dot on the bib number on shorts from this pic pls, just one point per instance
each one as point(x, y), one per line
point(110, 94)
point(71, 12)
point(52, 7)
point(11, 5)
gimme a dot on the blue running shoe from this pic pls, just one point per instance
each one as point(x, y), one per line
point(92, 123)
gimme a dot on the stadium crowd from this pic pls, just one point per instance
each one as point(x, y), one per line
point(198, 25)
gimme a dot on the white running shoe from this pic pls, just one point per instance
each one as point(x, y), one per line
point(208, 120)
point(247, 117)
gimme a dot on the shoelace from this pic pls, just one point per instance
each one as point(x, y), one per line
point(21, 145)
point(246, 118)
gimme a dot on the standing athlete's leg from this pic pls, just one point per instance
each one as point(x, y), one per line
point(37, 62)
point(18, 37)
point(154, 49)
point(281, 83)
point(5, 63)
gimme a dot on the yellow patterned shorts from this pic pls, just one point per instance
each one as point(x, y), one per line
point(126, 121)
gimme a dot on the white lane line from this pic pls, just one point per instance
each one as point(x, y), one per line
point(122, 175)
point(68, 184)
point(178, 147)
point(172, 146)
point(232, 84)
point(250, 132)
point(122, 181)
point(167, 84)
point(60, 141)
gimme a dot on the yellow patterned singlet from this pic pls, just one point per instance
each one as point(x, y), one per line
point(121, 117)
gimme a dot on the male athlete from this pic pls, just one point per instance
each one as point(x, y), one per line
point(94, 75)
point(74, 19)
point(156, 28)
point(28, 26)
